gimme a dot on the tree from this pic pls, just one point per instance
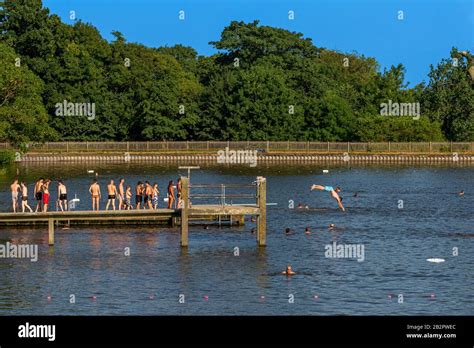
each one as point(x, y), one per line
point(23, 117)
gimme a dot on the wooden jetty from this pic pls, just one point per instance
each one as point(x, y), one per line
point(180, 216)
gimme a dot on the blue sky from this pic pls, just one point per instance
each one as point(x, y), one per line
point(370, 27)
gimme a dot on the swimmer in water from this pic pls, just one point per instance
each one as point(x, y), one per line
point(307, 230)
point(461, 193)
point(334, 192)
point(331, 226)
point(288, 231)
point(288, 271)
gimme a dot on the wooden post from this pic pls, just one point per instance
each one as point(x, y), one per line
point(51, 231)
point(262, 205)
point(184, 210)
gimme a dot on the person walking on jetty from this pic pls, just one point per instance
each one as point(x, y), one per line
point(38, 194)
point(24, 197)
point(171, 196)
point(111, 195)
point(94, 190)
point(62, 196)
point(334, 192)
point(15, 188)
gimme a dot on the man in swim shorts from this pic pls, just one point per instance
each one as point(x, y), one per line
point(15, 188)
point(121, 194)
point(112, 195)
point(334, 192)
point(39, 194)
point(62, 195)
point(94, 190)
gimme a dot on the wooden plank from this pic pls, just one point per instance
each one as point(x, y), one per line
point(51, 231)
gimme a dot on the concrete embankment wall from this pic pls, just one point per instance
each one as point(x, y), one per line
point(262, 159)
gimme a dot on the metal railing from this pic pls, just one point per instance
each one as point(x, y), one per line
point(222, 192)
point(260, 146)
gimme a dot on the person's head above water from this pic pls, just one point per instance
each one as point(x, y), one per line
point(288, 270)
point(332, 225)
point(287, 230)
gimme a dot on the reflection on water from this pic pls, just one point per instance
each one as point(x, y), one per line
point(142, 269)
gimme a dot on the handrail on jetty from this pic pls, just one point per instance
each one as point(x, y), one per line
point(204, 211)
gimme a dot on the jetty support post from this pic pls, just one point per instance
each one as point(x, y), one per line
point(51, 231)
point(184, 211)
point(262, 207)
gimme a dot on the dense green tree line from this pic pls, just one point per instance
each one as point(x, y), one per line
point(264, 84)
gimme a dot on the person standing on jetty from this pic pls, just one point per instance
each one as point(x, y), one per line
point(334, 192)
point(148, 195)
point(62, 195)
point(178, 188)
point(94, 190)
point(45, 189)
point(112, 195)
point(171, 196)
point(156, 193)
point(138, 194)
point(38, 194)
point(128, 199)
point(24, 197)
point(121, 194)
point(15, 188)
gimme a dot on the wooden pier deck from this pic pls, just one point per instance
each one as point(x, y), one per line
point(180, 216)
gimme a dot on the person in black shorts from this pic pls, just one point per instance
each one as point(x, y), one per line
point(138, 194)
point(62, 195)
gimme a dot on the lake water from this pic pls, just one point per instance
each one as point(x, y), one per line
point(401, 216)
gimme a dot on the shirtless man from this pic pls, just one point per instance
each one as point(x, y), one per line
point(170, 195)
point(112, 195)
point(138, 194)
point(333, 192)
point(62, 195)
point(45, 189)
point(121, 194)
point(148, 195)
point(24, 197)
point(38, 193)
point(15, 188)
point(94, 190)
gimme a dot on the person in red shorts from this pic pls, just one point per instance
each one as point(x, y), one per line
point(45, 190)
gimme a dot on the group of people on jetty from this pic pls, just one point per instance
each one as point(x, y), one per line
point(146, 195)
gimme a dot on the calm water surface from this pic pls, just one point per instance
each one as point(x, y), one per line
point(90, 261)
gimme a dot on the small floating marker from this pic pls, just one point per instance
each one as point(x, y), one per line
point(435, 260)
point(90, 171)
point(325, 171)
